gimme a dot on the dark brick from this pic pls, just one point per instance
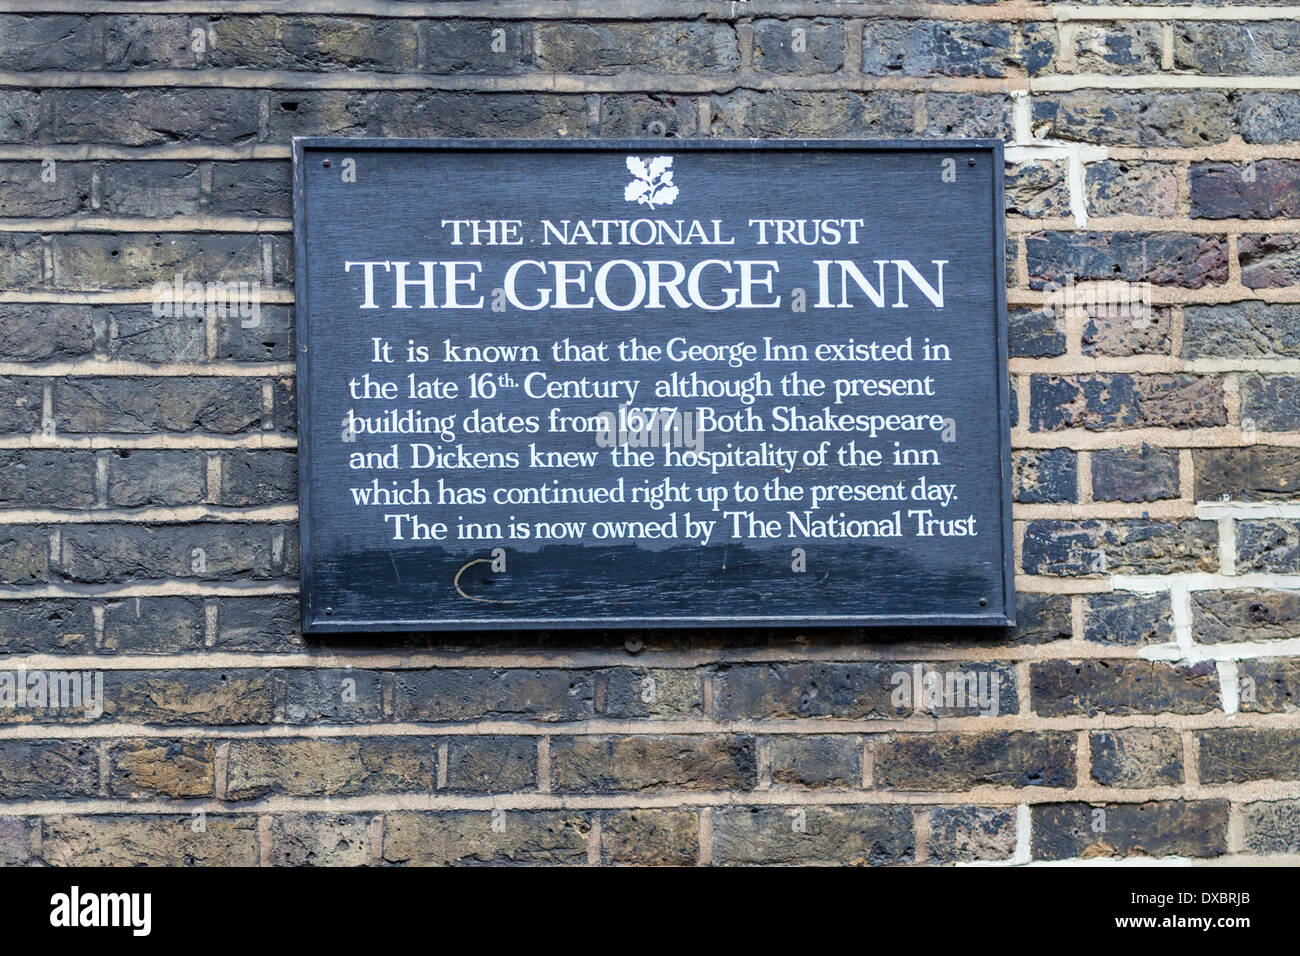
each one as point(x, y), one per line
point(469, 693)
point(1034, 333)
point(1041, 618)
point(1131, 328)
point(35, 333)
point(1241, 754)
point(1268, 545)
point(1259, 48)
point(966, 834)
point(614, 47)
point(49, 626)
point(24, 555)
point(153, 625)
point(939, 48)
point(638, 692)
point(1145, 118)
point(466, 837)
point(1162, 258)
point(48, 42)
point(822, 40)
point(1144, 473)
point(137, 333)
point(266, 476)
point(318, 44)
point(99, 554)
point(431, 113)
point(1130, 188)
point(1220, 617)
point(1137, 757)
point(1270, 402)
point(320, 695)
point(150, 840)
point(1268, 189)
point(143, 406)
point(22, 258)
point(48, 769)
point(591, 764)
point(326, 767)
point(41, 189)
point(1037, 189)
point(15, 841)
point(151, 190)
point(815, 762)
point(635, 115)
point(1257, 473)
point(778, 113)
point(154, 767)
point(265, 624)
point(851, 835)
point(480, 46)
point(195, 698)
point(1120, 688)
point(854, 691)
point(139, 477)
point(20, 116)
point(1269, 261)
point(1242, 330)
point(958, 115)
point(139, 260)
point(492, 764)
point(258, 188)
point(1123, 619)
point(1269, 117)
point(650, 837)
point(264, 337)
point(31, 478)
point(1063, 831)
point(1117, 48)
point(1134, 546)
point(158, 42)
point(1044, 475)
point(952, 761)
point(1270, 685)
point(154, 117)
point(1114, 400)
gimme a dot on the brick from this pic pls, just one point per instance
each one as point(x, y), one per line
point(1131, 328)
point(22, 259)
point(264, 337)
point(951, 761)
point(265, 624)
point(151, 190)
point(1117, 48)
point(616, 47)
point(853, 691)
point(1270, 685)
point(101, 554)
point(967, 834)
point(810, 763)
point(1268, 545)
point(1035, 333)
point(1257, 473)
point(1147, 118)
point(1063, 831)
point(642, 692)
point(320, 767)
point(942, 48)
point(1267, 48)
point(1271, 826)
point(154, 767)
point(1269, 261)
point(1125, 619)
point(492, 764)
point(1041, 618)
point(1241, 754)
point(1162, 258)
point(1137, 757)
point(1131, 546)
point(24, 556)
point(821, 41)
point(32, 478)
point(1242, 330)
point(35, 333)
point(15, 841)
point(324, 695)
point(21, 110)
point(139, 260)
point(1140, 473)
point(138, 478)
point(154, 117)
point(600, 764)
point(1044, 475)
point(20, 404)
point(965, 115)
point(47, 42)
point(815, 835)
point(1120, 688)
point(1269, 117)
point(257, 188)
point(459, 694)
point(479, 46)
point(466, 837)
point(636, 115)
point(153, 625)
point(158, 42)
point(1268, 189)
point(316, 44)
point(1037, 189)
point(260, 477)
point(135, 406)
point(40, 189)
point(320, 839)
point(437, 113)
point(196, 698)
point(748, 113)
point(150, 841)
point(649, 837)
point(44, 770)
point(1104, 401)
point(1128, 188)
point(60, 626)
point(1222, 617)
point(138, 333)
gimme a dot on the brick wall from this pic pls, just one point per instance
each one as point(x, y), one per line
point(1147, 701)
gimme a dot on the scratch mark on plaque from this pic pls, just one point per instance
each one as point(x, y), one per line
point(455, 582)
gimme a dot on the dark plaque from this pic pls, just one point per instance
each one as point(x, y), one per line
point(651, 383)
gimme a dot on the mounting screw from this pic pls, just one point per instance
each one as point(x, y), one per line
point(329, 611)
point(634, 645)
point(325, 163)
point(657, 128)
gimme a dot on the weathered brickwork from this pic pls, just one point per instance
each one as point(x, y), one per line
point(1146, 705)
